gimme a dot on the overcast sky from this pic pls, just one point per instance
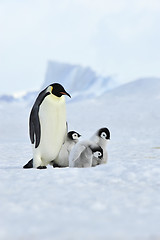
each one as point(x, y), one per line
point(114, 37)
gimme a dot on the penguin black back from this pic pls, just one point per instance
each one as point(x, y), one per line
point(34, 123)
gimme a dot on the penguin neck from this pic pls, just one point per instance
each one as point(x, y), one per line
point(57, 99)
point(69, 144)
point(100, 141)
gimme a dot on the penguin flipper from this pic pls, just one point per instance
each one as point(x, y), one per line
point(31, 129)
point(35, 128)
point(34, 123)
point(78, 152)
point(29, 164)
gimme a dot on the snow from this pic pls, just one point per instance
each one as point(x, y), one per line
point(119, 200)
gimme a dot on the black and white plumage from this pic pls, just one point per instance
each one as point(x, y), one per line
point(62, 159)
point(82, 153)
point(47, 125)
point(101, 138)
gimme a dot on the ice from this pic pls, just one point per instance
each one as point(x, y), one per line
point(119, 200)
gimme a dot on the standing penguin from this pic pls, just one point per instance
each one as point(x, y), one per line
point(82, 153)
point(101, 137)
point(47, 125)
point(62, 159)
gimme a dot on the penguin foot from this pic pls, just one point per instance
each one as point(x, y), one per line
point(55, 165)
point(29, 164)
point(41, 167)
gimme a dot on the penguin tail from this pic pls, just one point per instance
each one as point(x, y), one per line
point(29, 164)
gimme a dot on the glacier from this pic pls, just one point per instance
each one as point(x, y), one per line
point(80, 82)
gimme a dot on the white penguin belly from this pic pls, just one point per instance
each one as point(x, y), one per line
point(52, 115)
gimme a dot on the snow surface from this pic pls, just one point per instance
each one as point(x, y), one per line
point(119, 200)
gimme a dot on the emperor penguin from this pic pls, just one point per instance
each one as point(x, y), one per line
point(101, 137)
point(82, 153)
point(62, 159)
point(47, 125)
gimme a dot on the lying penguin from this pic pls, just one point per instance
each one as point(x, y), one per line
point(82, 153)
point(101, 138)
point(62, 159)
point(47, 125)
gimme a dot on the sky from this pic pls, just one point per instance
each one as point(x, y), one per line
point(120, 38)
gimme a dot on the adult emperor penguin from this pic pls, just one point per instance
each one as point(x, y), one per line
point(82, 153)
point(62, 159)
point(101, 137)
point(47, 125)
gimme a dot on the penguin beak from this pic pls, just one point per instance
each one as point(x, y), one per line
point(65, 93)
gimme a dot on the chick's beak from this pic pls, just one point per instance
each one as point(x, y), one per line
point(65, 93)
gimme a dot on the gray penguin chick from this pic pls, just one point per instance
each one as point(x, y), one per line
point(101, 137)
point(62, 159)
point(82, 153)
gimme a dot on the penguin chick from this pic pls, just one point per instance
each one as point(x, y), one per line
point(82, 153)
point(47, 125)
point(101, 137)
point(63, 158)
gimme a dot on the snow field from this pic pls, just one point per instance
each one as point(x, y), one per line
point(119, 200)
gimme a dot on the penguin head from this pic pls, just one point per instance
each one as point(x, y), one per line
point(104, 133)
point(57, 90)
point(97, 151)
point(72, 135)
point(98, 154)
